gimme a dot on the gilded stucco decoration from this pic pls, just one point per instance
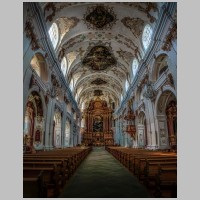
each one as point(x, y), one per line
point(34, 97)
point(125, 55)
point(99, 58)
point(80, 51)
point(147, 8)
point(99, 17)
point(136, 25)
point(98, 93)
point(61, 54)
point(98, 81)
point(30, 32)
point(71, 57)
point(171, 36)
point(65, 24)
point(149, 93)
point(121, 39)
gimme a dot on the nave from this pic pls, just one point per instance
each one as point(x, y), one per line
point(102, 176)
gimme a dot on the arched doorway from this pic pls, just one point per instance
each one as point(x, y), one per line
point(142, 130)
point(171, 112)
point(167, 120)
point(38, 63)
point(57, 130)
point(33, 123)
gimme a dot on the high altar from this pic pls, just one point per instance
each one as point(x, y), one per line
point(98, 122)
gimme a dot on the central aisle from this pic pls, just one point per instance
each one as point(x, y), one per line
point(101, 176)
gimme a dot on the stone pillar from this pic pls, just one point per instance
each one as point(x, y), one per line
point(49, 119)
point(51, 131)
point(71, 144)
point(63, 126)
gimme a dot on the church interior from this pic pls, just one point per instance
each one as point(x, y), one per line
point(100, 99)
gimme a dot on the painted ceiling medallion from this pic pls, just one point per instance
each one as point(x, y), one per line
point(98, 81)
point(99, 58)
point(134, 24)
point(100, 17)
point(98, 92)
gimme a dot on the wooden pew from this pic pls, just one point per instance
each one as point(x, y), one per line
point(166, 182)
point(152, 169)
point(33, 187)
point(140, 166)
point(61, 167)
point(50, 179)
point(56, 166)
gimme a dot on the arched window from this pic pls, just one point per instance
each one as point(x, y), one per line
point(83, 106)
point(121, 97)
point(126, 85)
point(38, 63)
point(76, 97)
point(72, 84)
point(64, 66)
point(146, 36)
point(53, 33)
point(134, 66)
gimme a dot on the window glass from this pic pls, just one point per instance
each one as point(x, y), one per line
point(53, 33)
point(146, 36)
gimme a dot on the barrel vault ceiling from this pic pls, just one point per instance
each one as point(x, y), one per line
point(100, 41)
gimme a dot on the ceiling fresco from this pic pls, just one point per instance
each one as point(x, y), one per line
point(98, 81)
point(99, 17)
point(100, 40)
point(99, 58)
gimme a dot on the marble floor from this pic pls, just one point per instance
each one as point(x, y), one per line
point(100, 175)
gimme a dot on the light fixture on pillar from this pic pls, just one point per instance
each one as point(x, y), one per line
point(129, 117)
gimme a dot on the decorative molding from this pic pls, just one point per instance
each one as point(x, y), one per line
point(136, 25)
point(50, 6)
point(143, 81)
point(125, 55)
point(61, 54)
point(71, 57)
point(29, 30)
point(66, 99)
point(149, 6)
point(171, 36)
point(99, 17)
point(149, 93)
point(54, 81)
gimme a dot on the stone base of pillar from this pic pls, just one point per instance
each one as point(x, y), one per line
point(152, 147)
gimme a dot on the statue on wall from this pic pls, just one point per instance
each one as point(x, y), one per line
point(98, 124)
